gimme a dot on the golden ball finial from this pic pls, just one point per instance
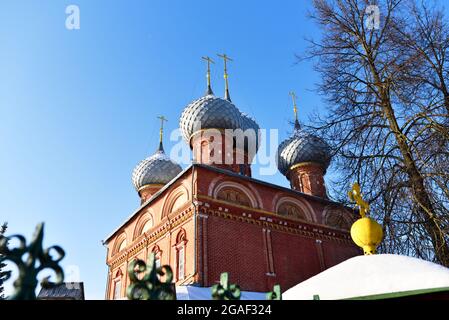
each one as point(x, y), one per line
point(365, 232)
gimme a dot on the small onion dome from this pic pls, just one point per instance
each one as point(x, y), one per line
point(157, 169)
point(209, 112)
point(302, 147)
point(251, 124)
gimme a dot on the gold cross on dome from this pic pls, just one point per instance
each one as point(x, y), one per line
point(225, 60)
point(209, 61)
point(356, 196)
point(295, 108)
point(225, 75)
point(162, 118)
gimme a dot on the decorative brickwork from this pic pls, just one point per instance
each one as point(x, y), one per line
point(260, 233)
point(308, 178)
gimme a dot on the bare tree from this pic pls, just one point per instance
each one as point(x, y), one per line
point(387, 120)
point(3, 274)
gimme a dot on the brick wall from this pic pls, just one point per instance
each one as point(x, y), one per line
point(257, 246)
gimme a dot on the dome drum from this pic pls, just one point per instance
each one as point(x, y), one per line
point(308, 178)
point(217, 148)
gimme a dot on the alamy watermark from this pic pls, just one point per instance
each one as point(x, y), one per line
point(372, 20)
point(230, 147)
point(72, 21)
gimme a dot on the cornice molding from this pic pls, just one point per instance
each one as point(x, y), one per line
point(295, 226)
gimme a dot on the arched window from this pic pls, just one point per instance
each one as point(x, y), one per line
point(157, 254)
point(117, 285)
point(181, 242)
point(291, 210)
point(233, 195)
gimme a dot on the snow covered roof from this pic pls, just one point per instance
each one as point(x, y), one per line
point(369, 275)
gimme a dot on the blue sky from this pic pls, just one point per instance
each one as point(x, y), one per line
point(78, 107)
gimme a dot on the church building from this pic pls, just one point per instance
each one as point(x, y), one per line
point(214, 217)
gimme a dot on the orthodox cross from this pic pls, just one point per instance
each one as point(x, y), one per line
point(295, 107)
point(356, 195)
point(161, 131)
point(209, 61)
point(225, 76)
point(295, 110)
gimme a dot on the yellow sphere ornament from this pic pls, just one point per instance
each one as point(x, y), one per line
point(367, 234)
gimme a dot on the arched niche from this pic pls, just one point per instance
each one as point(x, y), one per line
point(294, 208)
point(337, 218)
point(144, 224)
point(291, 210)
point(120, 243)
point(236, 193)
point(175, 200)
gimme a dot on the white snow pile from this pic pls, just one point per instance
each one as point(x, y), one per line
point(370, 275)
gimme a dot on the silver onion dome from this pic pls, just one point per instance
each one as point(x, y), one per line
point(209, 112)
point(302, 147)
point(249, 123)
point(157, 169)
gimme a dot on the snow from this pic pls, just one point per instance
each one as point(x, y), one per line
point(205, 293)
point(370, 275)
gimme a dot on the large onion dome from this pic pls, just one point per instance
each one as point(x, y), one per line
point(302, 147)
point(209, 112)
point(157, 169)
point(249, 123)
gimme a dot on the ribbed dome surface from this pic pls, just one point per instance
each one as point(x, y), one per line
point(157, 169)
point(302, 147)
point(209, 112)
point(249, 123)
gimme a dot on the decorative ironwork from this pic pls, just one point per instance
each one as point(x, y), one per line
point(275, 294)
point(146, 281)
point(26, 283)
point(224, 290)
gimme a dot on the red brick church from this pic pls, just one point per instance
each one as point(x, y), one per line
point(213, 217)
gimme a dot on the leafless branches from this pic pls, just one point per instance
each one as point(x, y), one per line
point(388, 117)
